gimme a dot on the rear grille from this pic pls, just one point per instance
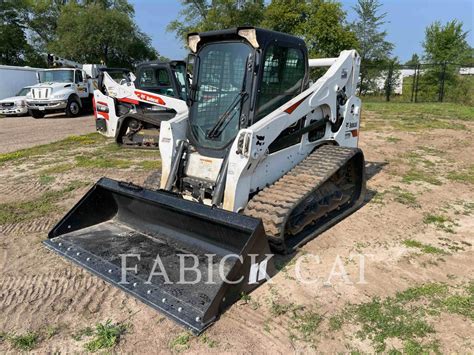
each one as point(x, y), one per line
point(41, 93)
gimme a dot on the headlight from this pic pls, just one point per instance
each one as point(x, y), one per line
point(59, 96)
point(102, 107)
point(21, 103)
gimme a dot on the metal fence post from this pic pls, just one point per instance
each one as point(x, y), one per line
point(441, 88)
point(413, 84)
point(416, 83)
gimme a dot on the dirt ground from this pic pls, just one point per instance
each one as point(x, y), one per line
point(415, 229)
point(24, 132)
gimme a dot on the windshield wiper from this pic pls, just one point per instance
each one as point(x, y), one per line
point(218, 128)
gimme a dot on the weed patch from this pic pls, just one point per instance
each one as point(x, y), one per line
point(440, 222)
point(209, 342)
point(150, 164)
point(404, 316)
point(393, 139)
point(419, 175)
point(83, 161)
point(46, 179)
point(24, 342)
point(425, 248)
point(65, 144)
point(181, 342)
point(16, 212)
point(106, 336)
point(404, 197)
point(464, 176)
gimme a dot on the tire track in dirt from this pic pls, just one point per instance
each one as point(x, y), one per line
point(21, 191)
point(67, 290)
point(38, 225)
point(250, 324)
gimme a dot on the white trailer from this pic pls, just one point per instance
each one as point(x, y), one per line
point(13, 79)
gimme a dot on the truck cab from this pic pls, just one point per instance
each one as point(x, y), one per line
point(68, 90)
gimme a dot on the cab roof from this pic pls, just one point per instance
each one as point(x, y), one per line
point(264, 36)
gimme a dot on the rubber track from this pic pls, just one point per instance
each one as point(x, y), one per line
point(275, 203)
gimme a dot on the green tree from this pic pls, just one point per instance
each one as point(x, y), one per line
point(374, 49)
point(392, 78)
point(321, 23)
point(202, 15)
point(414, 60)
point(446, 43)
point(100, 31)
point(14, 46)
point(285, 16)
point(41, 16)
point(325, 30)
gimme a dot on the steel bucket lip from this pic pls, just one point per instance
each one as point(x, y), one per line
point(184, 318)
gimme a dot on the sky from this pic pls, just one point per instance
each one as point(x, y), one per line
point(405, 22)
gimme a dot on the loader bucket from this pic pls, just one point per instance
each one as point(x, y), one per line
point(154, 245)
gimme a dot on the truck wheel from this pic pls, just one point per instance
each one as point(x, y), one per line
point(36, 113)
point(73, 108)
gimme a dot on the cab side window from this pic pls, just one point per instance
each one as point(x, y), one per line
point(283, 75)
point(163, 78)
point(147, 78)
point(79, 78)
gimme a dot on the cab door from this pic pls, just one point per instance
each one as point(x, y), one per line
point(81, 84)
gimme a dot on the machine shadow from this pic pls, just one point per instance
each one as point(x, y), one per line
point(372, 168)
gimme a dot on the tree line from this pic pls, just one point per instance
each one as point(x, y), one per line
point(87, 31)
point(105, 31)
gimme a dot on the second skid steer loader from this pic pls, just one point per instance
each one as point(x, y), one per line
point(131, 110)
point(264, 159)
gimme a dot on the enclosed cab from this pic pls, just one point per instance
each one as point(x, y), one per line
point(68, 90)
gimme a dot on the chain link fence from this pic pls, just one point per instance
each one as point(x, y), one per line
point(435, 82)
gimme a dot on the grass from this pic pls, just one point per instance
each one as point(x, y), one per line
point(405, 197)
point(306, 323)
point(379, 197)
point(46, 179)
point(106, 336)
point(24, 342)
point(16, 212)
point(440, 222)
point(209, 342)
point(425, 248)
point(302, 321)
point(65, 144)
point(393, 139)
point(85, 332)
point(464, 176)
point(180, 342)
point(415, 175)
point(406, 315)
point(150, 164)
point(57, 169)
point(422, 111)
point(83, 161)
point(420, 168)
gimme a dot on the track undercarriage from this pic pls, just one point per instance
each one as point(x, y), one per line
point(324, 188)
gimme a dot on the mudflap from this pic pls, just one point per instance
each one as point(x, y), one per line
point(185, 259)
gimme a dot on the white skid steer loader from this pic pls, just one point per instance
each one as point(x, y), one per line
point(131, 110)
point(264, 161)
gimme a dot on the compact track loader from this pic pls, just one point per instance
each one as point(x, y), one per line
point(264, 161)
point(131, 109)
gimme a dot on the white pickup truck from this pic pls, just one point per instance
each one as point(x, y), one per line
point(68, 90)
